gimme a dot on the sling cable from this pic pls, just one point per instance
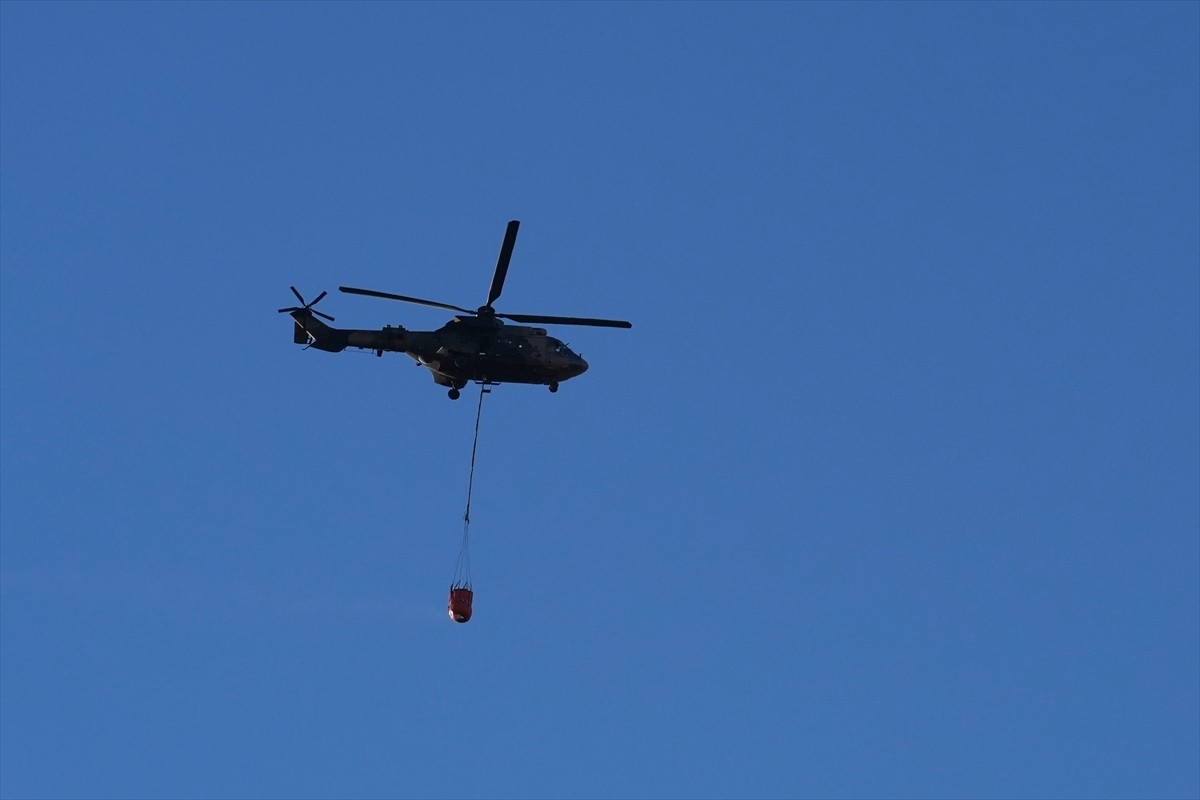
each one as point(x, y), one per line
point(460, 587)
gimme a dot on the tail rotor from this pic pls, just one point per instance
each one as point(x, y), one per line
point(306, 306)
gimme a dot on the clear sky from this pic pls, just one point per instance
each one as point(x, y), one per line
point(891, 491)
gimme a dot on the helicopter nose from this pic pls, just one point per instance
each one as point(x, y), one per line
point(579, 367)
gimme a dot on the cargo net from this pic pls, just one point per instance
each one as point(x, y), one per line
point(461, 595)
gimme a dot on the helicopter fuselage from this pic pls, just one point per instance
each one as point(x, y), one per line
point(464, 349)
point(474, 346)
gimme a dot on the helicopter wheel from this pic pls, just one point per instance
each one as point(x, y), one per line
point(453, 394)
point(553, 387)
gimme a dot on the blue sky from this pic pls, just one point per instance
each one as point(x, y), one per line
point(891, 491)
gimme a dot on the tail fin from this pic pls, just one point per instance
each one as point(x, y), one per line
point(314, 333)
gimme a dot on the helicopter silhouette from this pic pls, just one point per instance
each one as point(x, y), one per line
point(473, 346)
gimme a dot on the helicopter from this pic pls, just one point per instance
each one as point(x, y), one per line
point(473, 346)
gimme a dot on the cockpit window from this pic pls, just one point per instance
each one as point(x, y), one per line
point(561, 349)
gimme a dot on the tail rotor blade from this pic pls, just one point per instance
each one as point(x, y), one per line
point(306, 306)
point(510, 239)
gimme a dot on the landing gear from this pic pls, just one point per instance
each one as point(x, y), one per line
point(453, 394)
point(554, 386)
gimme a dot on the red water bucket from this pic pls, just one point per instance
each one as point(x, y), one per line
point(460, 604)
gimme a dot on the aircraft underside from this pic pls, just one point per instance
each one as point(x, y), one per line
point(493, 372)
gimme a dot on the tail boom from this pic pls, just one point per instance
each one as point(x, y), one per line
point(315, 333)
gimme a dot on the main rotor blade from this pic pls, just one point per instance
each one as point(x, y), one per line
point(402, 298)
point(510, 239)
point(599, 323)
